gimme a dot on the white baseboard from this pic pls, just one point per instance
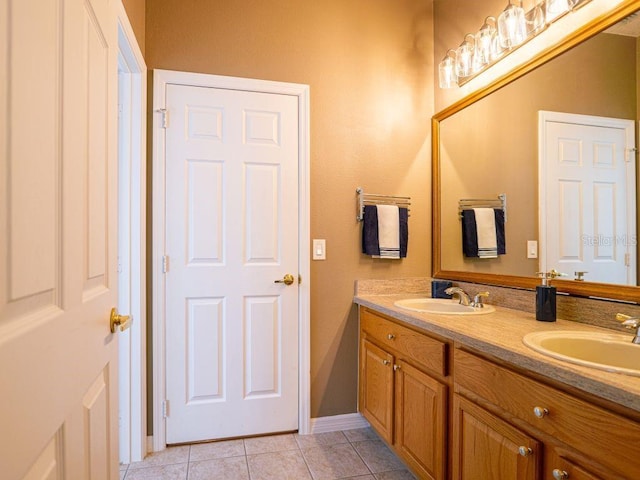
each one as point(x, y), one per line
point(149, 444)
point(335, 423)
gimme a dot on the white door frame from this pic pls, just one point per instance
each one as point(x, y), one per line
point(161, 78)
point(132, 243)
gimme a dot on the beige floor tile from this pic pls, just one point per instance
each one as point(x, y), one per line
point(231, 468)
point(161, 472)
point(395, 475)
point(334, 461)
point(319, 439)
point(361, 434)
point(287, 465)
point(272, 443)
point(171, 455)
point(209, 451)
point(377, 456)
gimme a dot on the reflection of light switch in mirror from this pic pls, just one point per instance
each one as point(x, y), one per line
point(532, 249)
point(319, 249)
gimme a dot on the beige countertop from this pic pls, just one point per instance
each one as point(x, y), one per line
point(500, 334)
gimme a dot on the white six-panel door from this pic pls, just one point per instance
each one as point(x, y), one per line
point(588, 196)
point(58, 207)
point(231, 232)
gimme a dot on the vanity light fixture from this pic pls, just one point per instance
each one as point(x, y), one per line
point(496, 38)
point(487, 46)
point(447, 70)
point(464, 56)
point(512, 26)
point(555, 8)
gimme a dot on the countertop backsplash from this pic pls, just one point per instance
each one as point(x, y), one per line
point(597, 312)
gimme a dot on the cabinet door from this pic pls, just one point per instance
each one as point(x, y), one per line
point(486, 447)
point(376, 389)
point(420, 420)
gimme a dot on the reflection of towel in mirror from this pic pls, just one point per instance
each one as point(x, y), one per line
point(385, 231)
point(483, 233)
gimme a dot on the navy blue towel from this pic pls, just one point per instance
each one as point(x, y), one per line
point(470, 233)
point(370, 243)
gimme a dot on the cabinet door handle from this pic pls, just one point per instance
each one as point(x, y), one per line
point(525, 451)
point(560, 474)
point(540, 412)
point(396, 367)
point(386, 362)
point(391, 336)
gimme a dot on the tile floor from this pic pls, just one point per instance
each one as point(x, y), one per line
point(354, 454)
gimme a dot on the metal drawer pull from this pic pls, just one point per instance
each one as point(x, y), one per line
point(560, 474)
point(540, 412)
point(386, 362)
point(391, 336)
point(396, 367)
point(525, 451)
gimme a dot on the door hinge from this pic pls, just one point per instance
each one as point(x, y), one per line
point(631, 154)
point(165, 117)
point(165, 409)
point(165, 263)
point(627, 259)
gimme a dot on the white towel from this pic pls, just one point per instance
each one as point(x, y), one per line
point(389, 231)
point(487, 239)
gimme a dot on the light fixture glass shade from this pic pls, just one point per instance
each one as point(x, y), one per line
point(485, 43)
point(535, 19)
point(447, 71)
point(512, 27)
point(555, 8)
point(464, 57)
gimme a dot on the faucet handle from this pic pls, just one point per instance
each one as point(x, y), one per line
point(477, 300)
point(628, 321)
point(580, 276)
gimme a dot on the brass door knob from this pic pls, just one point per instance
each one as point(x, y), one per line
point(288, 279)
point(116, 320)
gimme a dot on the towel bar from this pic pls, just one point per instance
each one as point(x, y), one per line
point(468, 203)
point(375, 199)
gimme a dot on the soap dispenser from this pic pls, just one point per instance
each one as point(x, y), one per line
point(546, 298)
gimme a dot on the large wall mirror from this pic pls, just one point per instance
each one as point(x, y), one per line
point(488, 144)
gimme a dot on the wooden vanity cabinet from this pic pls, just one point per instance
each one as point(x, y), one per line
point(570, 438)
point(402, 392)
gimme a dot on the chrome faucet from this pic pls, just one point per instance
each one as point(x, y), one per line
point(463, 296)
point(632, 323)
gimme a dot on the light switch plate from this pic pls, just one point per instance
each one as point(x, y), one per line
point(319, 249)
point(532, 249)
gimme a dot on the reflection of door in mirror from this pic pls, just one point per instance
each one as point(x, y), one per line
point(587, 196)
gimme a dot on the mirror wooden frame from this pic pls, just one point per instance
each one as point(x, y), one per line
point(583, 289)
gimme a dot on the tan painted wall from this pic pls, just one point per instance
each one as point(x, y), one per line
point(370, 69)
point(136, 12)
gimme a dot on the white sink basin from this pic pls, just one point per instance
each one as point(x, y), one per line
point(441, 306)
point(605, 351)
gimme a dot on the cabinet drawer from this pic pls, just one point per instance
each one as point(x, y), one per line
point(428, 352)
point(597, 432)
